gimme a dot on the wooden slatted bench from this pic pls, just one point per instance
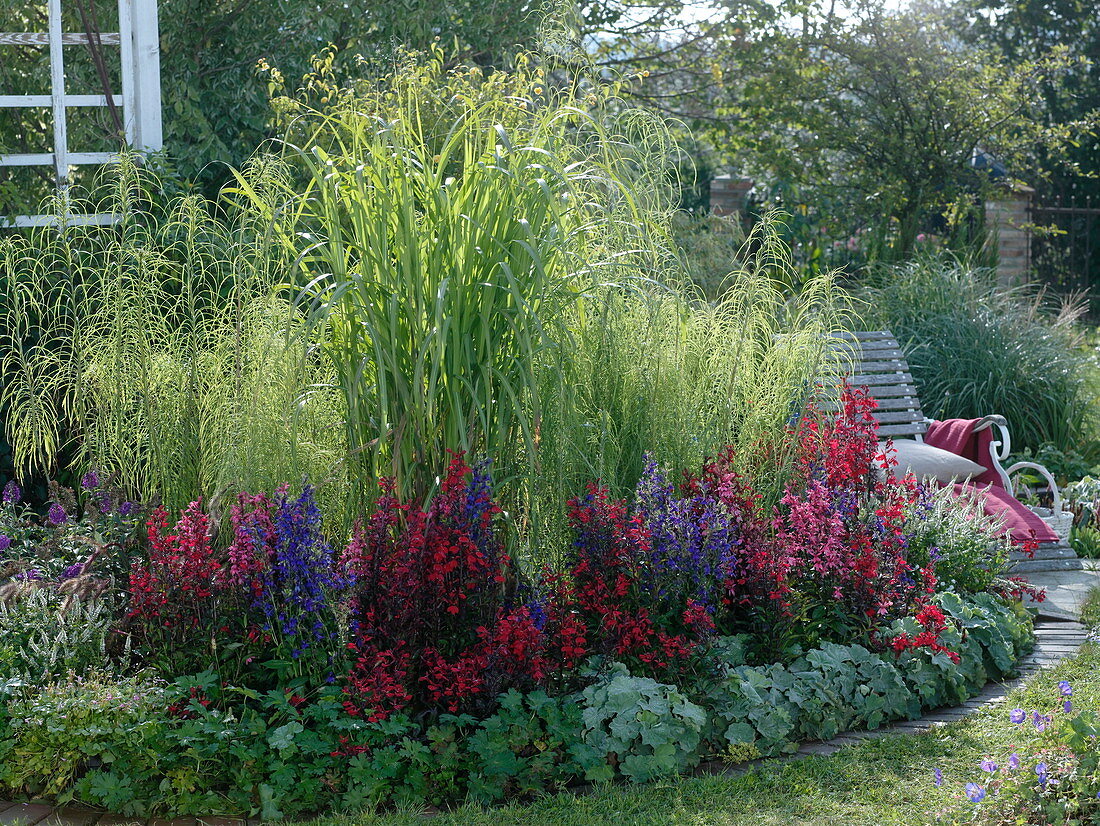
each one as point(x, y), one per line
point(875, 360)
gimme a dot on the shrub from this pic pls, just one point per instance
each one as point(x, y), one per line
point(89, 535)
point(269, 599)
point(532, 744)
point(948, 655)
point(976, 349)
point(430, 623)
point(200, 745)
point(46, 633)
point(829, 562)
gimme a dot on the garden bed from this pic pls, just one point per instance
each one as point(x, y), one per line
point(270, 674)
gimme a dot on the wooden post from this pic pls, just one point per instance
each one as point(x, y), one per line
point(148, 132)
point(57, 94)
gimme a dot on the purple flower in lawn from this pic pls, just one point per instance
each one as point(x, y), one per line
point(1065, 688)
point(975, 792)
point(1067, 706)
point(1017, 715)
point(1014, 761)
point(938, 775)
point(1041, 773)
point(12, 493)
point(57, 515)
point(1039, 720)
point(988, 765)
point(89, 480)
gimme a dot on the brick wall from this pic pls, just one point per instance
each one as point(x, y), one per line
point(728, 194)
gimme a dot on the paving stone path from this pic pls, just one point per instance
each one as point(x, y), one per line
point(1056, 637)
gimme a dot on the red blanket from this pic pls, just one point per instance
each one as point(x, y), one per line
point(958, 436)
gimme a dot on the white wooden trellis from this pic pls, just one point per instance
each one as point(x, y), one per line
point(139, 44)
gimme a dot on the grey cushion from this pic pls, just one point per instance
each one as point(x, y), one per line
point(925, 461)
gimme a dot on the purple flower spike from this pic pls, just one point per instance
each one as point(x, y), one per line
point(1014, 761)
point(1065, 688)
point(1017, 716)
point(127, 509)
point(89, 480)
point(975, 792)
point(57, 514)
point(72, 571)
point(988, 765)
point(938, 775)
point(5, 541)
point(12, 493)
point(28, 575)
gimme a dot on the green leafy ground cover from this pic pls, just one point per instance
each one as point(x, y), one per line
point(884, 781)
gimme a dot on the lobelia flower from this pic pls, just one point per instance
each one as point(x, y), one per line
point(1017, 715)
point(57, 515)
point(975, 792)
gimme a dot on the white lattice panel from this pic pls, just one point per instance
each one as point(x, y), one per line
point(138, 100)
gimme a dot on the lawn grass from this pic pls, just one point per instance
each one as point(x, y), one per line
point(884, 781)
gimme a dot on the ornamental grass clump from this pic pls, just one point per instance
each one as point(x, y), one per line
point(156, 350)
point(439, 235)
point(976, 349)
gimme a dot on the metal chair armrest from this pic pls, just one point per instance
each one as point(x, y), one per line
point(999, 448)
point(1056, 505)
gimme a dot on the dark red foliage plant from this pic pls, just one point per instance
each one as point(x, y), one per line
point(430, 622)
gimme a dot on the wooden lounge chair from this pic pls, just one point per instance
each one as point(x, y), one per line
point(876, 361)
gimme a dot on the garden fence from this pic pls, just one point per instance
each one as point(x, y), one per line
point(1066, 244)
